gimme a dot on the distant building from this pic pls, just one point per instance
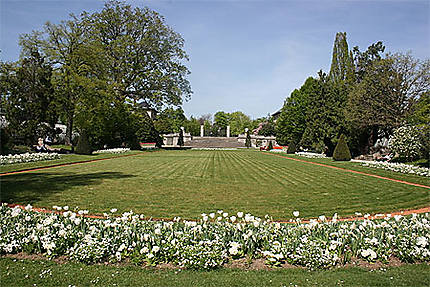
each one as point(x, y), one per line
point(276, 115)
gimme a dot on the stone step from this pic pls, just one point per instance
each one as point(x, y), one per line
point(214, 142)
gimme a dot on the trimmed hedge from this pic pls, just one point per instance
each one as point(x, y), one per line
point(341, 152)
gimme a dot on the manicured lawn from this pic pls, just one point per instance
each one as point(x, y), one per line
point(15, 272)
point(65, 158)
point(187, 183)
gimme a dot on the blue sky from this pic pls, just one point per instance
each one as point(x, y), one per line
point(249, 55)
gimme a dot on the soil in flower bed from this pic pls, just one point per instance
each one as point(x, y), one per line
point(241, 264)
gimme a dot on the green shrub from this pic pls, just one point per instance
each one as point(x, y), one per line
point(406, 141)
point(291, 147)
point(341, 152)
point(270, 146)
point(83, 146)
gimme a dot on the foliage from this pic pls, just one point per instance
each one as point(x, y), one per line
point(248, 139)
point(192, 126)
point(291, 148)
point(342, 66)
point(221, 121)
point(147, 131)
point(268, 127)
point(406, 142)
point(341, 152)
point(26, 98)
point(398, 167)
point(83, 146)
point(170, 120)
point(238, 122)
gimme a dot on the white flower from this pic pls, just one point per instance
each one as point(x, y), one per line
point(422, 241)
point(157, 231)
point(144, 250)
point(113, 210)
point(296, 213)
point(155, 249)
point(240, 214)
point(28, 207)
point(233, 218)
point(212, 215)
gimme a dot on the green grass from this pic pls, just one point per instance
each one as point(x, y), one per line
point(15, 272)
point(65, 158)
point(186, 183)
point(358, 167)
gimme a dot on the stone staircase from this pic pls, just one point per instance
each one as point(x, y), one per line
point(214, 142)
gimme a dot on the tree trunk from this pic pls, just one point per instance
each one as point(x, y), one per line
point(69, 128)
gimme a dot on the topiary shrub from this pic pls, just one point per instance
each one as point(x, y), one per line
point(248, 139)
point(83, 146)
point(291, 147)
point(341, 152)
point(181, 138)
point(270, 146)
point(5, 141)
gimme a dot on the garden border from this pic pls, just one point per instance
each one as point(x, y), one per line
point(291, 221)
point(350, 170)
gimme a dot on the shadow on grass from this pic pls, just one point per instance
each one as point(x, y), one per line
point(31, 187)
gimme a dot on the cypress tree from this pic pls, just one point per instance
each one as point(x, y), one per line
point(291, 147)
point(342, 66)
point(341, 152)
point(83, 146)
point(248, 139)
point(270, 146)
point(181, 138)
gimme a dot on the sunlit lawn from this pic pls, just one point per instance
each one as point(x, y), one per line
point(187, 183)
point(45, 273)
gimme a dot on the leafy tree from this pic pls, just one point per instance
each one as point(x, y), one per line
point(325, 115)
point(170, 120)
point(26, 97)
point(292, 121)
point(238, 121)
point(268, 128)
point(192, 126)
point(221, 121)
point(341, 152)
point(143, 55)
point(147, 132)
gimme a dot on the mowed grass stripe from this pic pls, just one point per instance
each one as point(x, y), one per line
point(186, 183)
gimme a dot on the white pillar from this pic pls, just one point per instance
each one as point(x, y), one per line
point(228, 131)
point(202, 131)
point(183, 130)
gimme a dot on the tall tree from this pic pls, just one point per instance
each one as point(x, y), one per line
point(238, 121)
point(143, 54)
point(26, 97)
point(342, 66)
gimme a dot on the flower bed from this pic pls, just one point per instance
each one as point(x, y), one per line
point(213, 240)
point(113, 150)
point(397, 167)
point(27, 157)
point(311, 154)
